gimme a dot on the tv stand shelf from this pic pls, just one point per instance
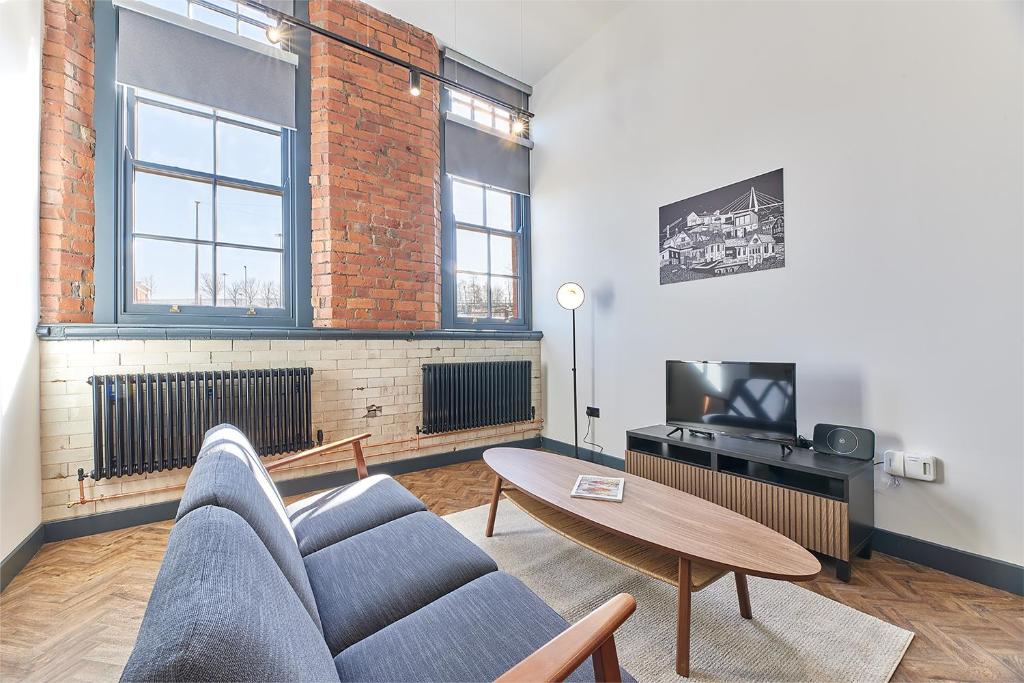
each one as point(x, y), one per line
point(825, 503)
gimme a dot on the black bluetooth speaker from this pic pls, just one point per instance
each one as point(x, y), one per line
point(849, 442)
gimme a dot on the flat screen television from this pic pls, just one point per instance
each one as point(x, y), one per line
point(748, 400)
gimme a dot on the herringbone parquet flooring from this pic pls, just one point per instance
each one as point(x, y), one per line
point(74, 611)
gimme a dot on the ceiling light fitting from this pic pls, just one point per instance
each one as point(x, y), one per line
point(287, 19)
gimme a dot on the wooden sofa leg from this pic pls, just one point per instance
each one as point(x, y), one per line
point(744, 595)
point(606, 663)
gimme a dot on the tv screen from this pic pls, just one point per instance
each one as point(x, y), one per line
point(750, 400)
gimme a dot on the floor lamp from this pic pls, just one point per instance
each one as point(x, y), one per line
point(570, 297)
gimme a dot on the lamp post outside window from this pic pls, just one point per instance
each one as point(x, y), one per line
point(570, 297)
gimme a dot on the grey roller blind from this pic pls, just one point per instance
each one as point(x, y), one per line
point(170, 59)
point(486, 158)
point(476, 154)
point(504, 90)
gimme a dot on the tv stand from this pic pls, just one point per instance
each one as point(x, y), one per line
point(822, 502)
point(692, 431)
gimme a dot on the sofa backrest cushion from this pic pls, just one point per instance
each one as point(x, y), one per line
point(229, 474)
point(221, 610)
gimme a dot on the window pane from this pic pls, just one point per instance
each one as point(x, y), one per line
point(504, 298)
point(468, 202)
point(171, 138)
point(230, 5)
point(257, 33)
point(471, 251)
point(461, 105)
point(172, 206)
point(249, 278)
point(250, 154)
point(502, 121)
point(245, 217)
point(176, 6)
point(178, 102)
point(482, 115)
point(504, 259)
point(256, 14)
point(499, 210)
point(171, 272)
point(214, 18)
point(471, 297)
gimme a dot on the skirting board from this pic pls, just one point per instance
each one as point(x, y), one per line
point(20, 556)
point(121, 519)
point(978, 568)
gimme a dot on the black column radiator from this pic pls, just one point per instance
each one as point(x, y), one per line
point(470, 395)
point(155, 422)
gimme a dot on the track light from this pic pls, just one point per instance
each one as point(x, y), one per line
point(518, 126)
point(275, 34)
point(414, 82)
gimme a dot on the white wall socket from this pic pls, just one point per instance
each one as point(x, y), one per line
point(910, 465)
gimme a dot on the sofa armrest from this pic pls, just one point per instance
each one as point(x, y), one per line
point(353, 441)
point(591, 636)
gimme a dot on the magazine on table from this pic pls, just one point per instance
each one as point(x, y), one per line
point(598, 488)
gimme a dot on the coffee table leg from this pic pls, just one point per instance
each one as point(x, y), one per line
point(683, 625)
point(494, 507)
point(743, 594)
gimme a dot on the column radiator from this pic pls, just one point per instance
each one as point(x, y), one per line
point(469, 395)
point(156, 422)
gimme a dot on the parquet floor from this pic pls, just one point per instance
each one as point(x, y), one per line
point(73, 612)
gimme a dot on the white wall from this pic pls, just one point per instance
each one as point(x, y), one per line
point(20, 55)
point(899, 128)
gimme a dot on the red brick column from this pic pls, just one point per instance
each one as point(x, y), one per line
point(375, 175)
point(67, 154)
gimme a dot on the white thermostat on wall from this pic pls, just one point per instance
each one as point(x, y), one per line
point(909, 465)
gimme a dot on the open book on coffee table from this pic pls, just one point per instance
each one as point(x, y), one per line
point(598, 488)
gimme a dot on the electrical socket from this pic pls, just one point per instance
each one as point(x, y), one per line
point(593, 412)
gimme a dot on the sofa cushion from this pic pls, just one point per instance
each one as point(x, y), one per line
point(332, 516)
point(375, 578)
point(221, 610)
point(475, 633)
point(229, 474)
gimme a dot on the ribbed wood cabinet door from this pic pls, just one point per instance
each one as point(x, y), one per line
point(815, 522)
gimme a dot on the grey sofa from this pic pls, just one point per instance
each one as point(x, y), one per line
point(360, 583)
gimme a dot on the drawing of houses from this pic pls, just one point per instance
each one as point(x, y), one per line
point(745, 232)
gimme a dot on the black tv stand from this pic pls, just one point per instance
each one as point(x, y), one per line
point(822, 502)
point(693, 432)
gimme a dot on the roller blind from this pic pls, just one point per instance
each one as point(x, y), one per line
point(174, 60)
point(476, 154)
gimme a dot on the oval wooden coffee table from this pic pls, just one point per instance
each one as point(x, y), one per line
point(658, 530)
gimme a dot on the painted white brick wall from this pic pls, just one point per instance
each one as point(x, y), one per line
point(348, 377)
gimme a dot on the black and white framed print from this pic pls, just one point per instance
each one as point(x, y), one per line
point(738, 228)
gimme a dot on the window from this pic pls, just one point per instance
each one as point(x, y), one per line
point(489, 248)
point(481, 111)
point(225, 14)
point(207, 199)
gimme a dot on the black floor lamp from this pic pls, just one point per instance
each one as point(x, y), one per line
point(570, 296)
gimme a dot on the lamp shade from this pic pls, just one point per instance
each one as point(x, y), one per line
point(570, 296)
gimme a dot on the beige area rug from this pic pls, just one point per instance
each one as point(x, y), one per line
point(795, 635)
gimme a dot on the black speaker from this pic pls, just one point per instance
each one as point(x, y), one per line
point(849, 442)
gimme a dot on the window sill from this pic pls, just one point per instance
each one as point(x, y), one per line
point(90, 331)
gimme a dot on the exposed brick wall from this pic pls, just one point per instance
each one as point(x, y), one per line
point(375, 175)
point(67, 150)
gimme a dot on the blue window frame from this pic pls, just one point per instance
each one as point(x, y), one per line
point(206, 215)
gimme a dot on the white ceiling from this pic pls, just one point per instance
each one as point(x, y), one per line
point(521, 38)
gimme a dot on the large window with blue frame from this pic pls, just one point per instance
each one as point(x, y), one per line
point(206, 224)
point(490, 225)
